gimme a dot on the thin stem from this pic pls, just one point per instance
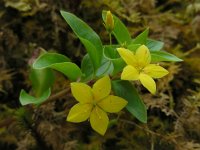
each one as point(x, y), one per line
point(110, 37)
point(192, 50)
point(56, 96)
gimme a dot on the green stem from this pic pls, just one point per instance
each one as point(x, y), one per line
point(56, 96)
point(110, 37)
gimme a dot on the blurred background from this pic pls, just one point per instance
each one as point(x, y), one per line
point(27, 26)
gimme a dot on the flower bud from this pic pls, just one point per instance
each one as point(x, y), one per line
point(109, 21)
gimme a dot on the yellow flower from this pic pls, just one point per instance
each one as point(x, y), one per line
point(139, 67)
point(94, 103)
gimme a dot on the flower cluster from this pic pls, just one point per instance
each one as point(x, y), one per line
point(95, 102)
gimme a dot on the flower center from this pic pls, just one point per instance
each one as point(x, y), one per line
point(140, 69)
point(94, 103)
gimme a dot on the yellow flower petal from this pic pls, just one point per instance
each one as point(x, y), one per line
point(99, 120)
point(127, 56)
point(148, 83)
point(101, 88)
point(79, 112)
point(130, 73)
point(112, 104)
point(155, 71)
point(143, 56)
point(82, 92)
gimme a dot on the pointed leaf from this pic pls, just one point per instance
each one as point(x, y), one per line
point(141, 38)
point(154, 45)
point(87, 68)
point(83, 31)
point(158, 56)
point(93, 53)
point(135, 105)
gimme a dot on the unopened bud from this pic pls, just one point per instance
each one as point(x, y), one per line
point(109, 21)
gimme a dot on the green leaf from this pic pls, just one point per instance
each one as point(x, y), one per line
point(88, 72)
point(93, 53)
point(158, 56)
point(83, 31)
point(47, 59)
point(60, 63)
point(110, 53)
point(154, 45)
point(141, 38)
point(87, 68)
point(133, 47)
point(25, 98)
point(70, 70)
point(135, 105)
point(118, 65)
point(106, 68)
point(120, 31)
point(42, 79)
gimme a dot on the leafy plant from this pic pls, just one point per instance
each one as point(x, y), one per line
point(103, 63)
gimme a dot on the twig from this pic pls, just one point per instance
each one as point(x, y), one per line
point(56, 96)
point(191, 50)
